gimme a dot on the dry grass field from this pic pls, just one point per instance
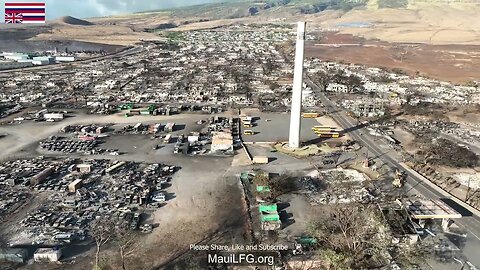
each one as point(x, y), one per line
point(431, 22)
point(453, 62)
point(433, 38)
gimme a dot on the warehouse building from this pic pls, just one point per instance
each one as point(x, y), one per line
point(47, 255)
point(15, 56)
point(12, 65)
point(65, 58)
point(43, 60)
point(13, 255)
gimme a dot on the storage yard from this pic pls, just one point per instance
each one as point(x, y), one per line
point(116, 170)
point(76, 192)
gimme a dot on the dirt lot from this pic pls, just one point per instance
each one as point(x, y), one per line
point(205, 202)
point(434, 22)
point(406, 138)
point(456, 63)
point(465, 115)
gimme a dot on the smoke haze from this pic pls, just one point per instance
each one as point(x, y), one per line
point(98, 8)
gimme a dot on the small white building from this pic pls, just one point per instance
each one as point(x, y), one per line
point(336, 87)
point(64, 58)
point(53, 116)
point(47, 255)
point(193, 138)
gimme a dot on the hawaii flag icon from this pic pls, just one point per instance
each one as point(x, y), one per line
point(25, 12)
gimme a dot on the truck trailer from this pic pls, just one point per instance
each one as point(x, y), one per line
point(169, 127)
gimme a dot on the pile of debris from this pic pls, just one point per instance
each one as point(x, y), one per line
point(334, 186)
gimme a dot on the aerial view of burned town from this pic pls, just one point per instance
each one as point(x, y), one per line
point(302, 134)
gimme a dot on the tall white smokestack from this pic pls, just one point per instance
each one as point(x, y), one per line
point(295, 117)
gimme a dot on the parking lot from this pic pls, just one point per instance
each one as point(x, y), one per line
point(274, 127)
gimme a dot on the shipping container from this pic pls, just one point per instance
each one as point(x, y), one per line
point(169, 127)
point(263, 189)
point(260, 160)
point(270, 217)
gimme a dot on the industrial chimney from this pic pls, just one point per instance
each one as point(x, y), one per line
point(295, 117)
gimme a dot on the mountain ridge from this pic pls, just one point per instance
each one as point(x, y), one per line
point(73, 21)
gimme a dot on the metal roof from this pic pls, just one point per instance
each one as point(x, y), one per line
point(430, 209)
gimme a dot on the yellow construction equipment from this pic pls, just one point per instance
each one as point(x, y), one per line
point(399, 179)
point(323, 128)
point(248, 132)
point(310, 115)
point(328, 135)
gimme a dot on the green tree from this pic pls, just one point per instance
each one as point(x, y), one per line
point(126, 242)
point(353, 230)
point(101, 231)
point(334, 261)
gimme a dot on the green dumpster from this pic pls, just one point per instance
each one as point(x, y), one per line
point(271, 217)
point(268, 208)
point(263, 189)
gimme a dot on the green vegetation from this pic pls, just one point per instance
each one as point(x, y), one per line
point(230, 9)
point(351, 81)
point(315, 6)
point(351, 236)
point(383, 79)
point(333, 260)
point(277, 185)
point(472, 84)
point(174, 36)
point(272, 25)
point(392, 3)
point(226, 10)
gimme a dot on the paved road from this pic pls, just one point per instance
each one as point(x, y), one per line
point(415, 183)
